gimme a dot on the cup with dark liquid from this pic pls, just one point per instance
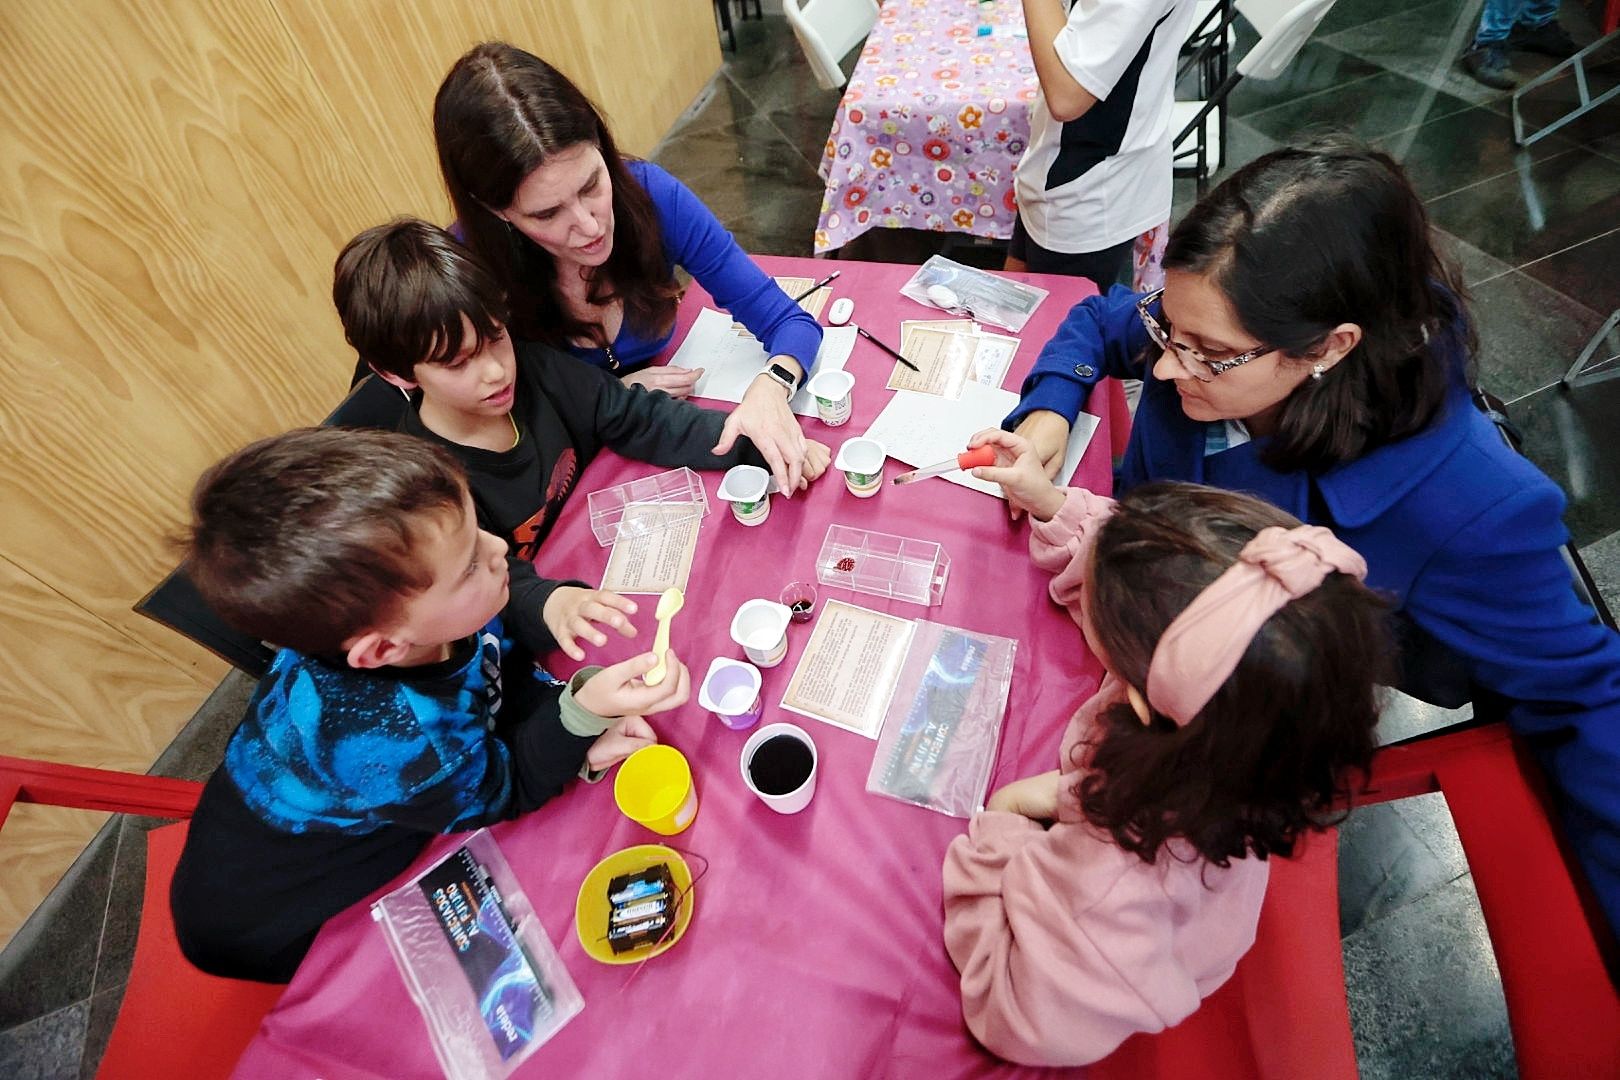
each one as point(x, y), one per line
point(779, 765)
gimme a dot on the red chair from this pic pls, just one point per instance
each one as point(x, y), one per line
point(174, 1021)
point(1284, 1013)
point(1549, 938)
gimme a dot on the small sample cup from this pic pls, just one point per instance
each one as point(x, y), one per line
point(731, 691)
point(800, 599)
point(861, 462)
point(748, 489)
point(834, 392)
point(654, 788)
point(779, 765)
point(760, 627)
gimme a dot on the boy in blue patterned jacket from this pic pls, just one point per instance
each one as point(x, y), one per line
point(399, 706)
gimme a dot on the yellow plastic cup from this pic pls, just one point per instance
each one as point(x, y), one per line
point(654, 788)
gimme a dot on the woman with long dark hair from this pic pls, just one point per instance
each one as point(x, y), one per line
point(585, 241)
point(1311, 347)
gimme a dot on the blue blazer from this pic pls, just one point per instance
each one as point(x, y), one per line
point(1461, 531)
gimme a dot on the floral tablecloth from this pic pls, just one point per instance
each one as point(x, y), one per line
point(932, 124)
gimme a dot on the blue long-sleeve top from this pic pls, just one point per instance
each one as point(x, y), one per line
point(695, 240)
point(1459, 529)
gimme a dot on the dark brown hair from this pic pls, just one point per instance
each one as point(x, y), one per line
point(306, 539)
point(1303, 239)
point(500, 114)
point(1267, 757)
point(401, 290)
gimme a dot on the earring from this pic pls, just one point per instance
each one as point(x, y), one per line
point(1316, 371)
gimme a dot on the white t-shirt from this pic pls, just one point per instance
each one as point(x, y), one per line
point(1100, 180)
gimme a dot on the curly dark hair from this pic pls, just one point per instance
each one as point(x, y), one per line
point(1306, 238)
point(1272, 751)
point(500, 114)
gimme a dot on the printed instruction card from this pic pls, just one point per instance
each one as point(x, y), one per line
point(849, 668)
point(660, 556)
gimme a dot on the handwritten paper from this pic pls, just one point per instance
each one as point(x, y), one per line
point(731, 361)
point(659, 557)
point(924, 429)
point(849, 668)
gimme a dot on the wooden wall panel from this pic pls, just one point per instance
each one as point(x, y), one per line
point(165, 237)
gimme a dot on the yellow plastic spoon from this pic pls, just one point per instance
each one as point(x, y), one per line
point(668, 604)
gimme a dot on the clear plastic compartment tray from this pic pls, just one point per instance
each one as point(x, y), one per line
point(879, 564)
point(646, 505)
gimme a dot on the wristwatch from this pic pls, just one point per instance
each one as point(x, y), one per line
point(782, 376)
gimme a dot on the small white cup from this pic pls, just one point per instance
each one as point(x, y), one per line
point(731, 692)
point(780, 769)
point(760, 627)
point(835, 398)
point(861, 462)
point(748, 489)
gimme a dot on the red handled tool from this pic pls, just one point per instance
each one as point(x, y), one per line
point(968, 459)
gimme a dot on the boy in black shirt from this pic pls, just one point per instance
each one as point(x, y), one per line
point(524, 418)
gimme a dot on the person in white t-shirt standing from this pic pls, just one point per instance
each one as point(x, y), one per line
point(1097, 172)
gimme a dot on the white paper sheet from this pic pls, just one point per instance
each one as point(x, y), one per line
point(730, 360)
point(924, 429)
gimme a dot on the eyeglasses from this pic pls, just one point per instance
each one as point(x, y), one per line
point(1192, 361)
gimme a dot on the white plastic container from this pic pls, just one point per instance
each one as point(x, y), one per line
point(861, 461)
point(748, 489)
point(760, 627)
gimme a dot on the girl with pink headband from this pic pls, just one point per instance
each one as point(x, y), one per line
point(1243, 657)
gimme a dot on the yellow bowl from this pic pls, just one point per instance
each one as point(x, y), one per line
point(591, 908)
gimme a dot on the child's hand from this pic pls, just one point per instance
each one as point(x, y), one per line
point(1034, 797)
point(677, 382)
point(627, 735)
point(619, 691)
point(1019, 471)
point(817, 456)
point(570, 612)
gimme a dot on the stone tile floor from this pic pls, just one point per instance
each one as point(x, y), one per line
point(1537, 233)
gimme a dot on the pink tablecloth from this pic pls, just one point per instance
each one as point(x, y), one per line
point(931, 126)
point(816, 949)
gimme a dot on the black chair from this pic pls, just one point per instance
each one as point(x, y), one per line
point(175, 601)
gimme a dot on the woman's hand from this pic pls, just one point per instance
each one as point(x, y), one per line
point(1018, 470)
point(619, 691)
point(627, 735)
point(1035, 797)
point(570, 612)
point(677, 382)
point(764, 416)
point(1048, 433)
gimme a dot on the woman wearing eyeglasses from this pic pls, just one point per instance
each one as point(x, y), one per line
point(1311, 347)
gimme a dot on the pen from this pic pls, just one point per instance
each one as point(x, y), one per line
point(820, 284)
point(861, 330)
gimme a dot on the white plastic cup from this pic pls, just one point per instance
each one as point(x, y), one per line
point(779, 777)
point(835, 397)
point(731, 692)
point(760, 627)
point(748, 489)
point(861, 462)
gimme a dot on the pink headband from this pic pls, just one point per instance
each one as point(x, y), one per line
point(1202, 646)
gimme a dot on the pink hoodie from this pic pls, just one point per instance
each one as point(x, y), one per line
point(1067, 943)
